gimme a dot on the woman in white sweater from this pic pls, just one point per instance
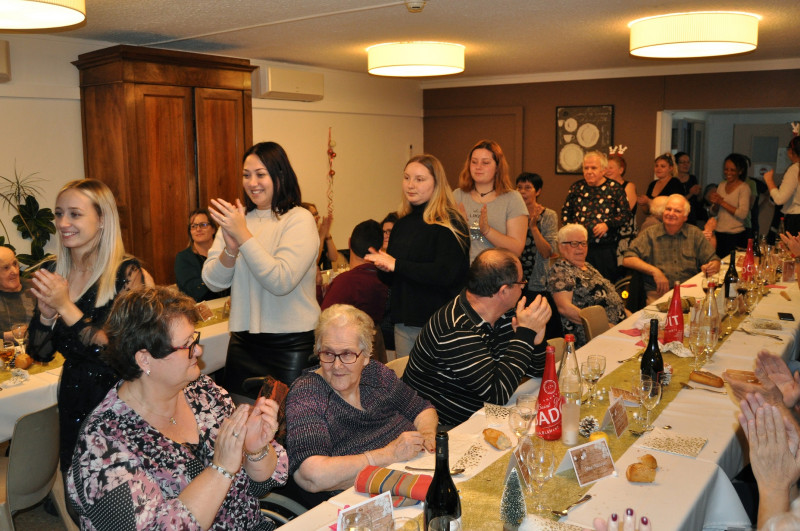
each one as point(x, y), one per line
point(266, 253)
point(788, 194)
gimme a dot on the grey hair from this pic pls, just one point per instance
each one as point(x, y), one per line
point(344, 315)
point(570, 228)
point(687, 207)
point(599, 155)
point(658, 204)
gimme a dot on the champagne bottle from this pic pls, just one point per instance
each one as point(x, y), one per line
point(748, 266)
point(548, 418)
point(569, 383)
point(652, 362)
point(673, 331)
point(442, 498)
point(731, 279)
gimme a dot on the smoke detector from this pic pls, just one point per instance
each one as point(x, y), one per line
point(415, 6)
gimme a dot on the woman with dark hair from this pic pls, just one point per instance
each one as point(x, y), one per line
point(617, 166)
point(165, 449)
point(266, 253)
point(189, 262)
point(665, 183)
point(387, 225)
point(427, 259)
point(691, 187)
point(788, 194)
point(495, 212)
point(731, 205)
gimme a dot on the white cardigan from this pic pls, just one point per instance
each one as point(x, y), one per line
point(273, 283)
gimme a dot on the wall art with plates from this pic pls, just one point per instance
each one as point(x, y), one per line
point(580, 130)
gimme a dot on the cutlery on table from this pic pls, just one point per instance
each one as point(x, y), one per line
point(635, 356)
point(687, 386)
point(752, 333)
point(453, 471)
point(564, 512)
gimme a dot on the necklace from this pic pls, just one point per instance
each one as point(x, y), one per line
point(259, 216)
point(485, 194)
point(171, 418)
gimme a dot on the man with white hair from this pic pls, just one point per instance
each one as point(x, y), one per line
point(670, 251)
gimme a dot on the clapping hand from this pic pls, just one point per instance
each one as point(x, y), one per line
point(230, 440)
point(52, 291)
point(775, 370)
point(382, 260)
point(231, 219)
point(535, 316)
point(262, 424)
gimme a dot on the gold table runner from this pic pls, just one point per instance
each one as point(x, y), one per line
point(37, 368)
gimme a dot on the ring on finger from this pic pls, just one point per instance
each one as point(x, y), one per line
point(235, 434)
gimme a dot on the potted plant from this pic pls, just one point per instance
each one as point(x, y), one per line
point(32, 222)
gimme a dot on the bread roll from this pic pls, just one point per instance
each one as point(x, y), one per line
point(706, 378)
point(649, 461)
point(496, 438)
point(23, 361)
point(640, 473)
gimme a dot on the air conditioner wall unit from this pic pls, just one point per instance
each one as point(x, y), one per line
point(287, 84)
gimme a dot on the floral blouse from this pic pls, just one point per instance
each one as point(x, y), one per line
point(589, 288)
point(126, 475)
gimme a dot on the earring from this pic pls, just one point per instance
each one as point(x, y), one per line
point(147, 372)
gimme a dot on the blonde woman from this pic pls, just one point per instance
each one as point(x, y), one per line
point(75, 293)
point(496, 212)
point(427, 259)
point(666, 181)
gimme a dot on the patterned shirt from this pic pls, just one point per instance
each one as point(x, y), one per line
point(589, 288)
point(460, 361)
point(678, 256)
point(592, 205)
point(534, 265)
point(126, 475)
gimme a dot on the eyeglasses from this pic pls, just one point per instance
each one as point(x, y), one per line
point(347, 357)
point(195, 226)
point(387, 232)
point(191, 346)
point(577, 244)
point(523, 282)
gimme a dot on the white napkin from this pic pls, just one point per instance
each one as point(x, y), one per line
point(677, 348)
point(673, 442)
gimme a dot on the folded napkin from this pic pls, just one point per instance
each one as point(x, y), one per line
point(633, 332)
point(775, 286)
point(673, 442)
point(407, 489)
point(688, 285)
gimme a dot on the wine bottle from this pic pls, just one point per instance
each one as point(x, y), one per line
point(442, 498)
point(748, 265)
point(569, 383)
point(548, 418)
point(731, 278)
point(673, 330)
point(652, 362)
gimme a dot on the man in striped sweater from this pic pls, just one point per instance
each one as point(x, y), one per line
point(479, 346)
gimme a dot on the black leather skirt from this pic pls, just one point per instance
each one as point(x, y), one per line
point(282, 356)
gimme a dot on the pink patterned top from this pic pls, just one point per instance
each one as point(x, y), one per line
point(126, 475)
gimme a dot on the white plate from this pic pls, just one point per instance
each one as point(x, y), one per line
point(588, 135)
point(570, 124)
point(571, 157)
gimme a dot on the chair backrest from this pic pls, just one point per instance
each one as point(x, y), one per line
point(398, 366)
point(32, 458)
point(558, 344)
point(595, 321)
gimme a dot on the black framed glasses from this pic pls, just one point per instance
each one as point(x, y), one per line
point(203, 225)
point(347, 357)
point(523, 282)
point(576, 244)
point(195, 344)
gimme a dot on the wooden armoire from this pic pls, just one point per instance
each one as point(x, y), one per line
point(166, 131)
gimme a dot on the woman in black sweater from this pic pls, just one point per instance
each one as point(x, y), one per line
point(428, 255)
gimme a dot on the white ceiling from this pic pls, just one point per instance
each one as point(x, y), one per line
point(503, 38)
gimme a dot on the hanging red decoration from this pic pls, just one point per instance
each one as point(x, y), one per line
point(331, 173)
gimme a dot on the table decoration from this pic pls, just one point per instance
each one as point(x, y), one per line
point(406, 489)
point(495, 415)
point(18, 377)
point(471, 458)
point(218, 317)
point(512, 502)
point(673, 442)
point(37, 367)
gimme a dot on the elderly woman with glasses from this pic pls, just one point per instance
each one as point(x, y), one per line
point(189, 262)
point(350, 411)
point(575, 284)
point(166, 449)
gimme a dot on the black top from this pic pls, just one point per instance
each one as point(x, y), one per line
point(673, 186)
point(430, 269)
point(189, 276)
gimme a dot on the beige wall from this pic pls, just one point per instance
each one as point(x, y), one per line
point(374, 122)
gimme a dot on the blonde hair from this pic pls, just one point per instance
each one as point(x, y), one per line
point(502, 180)
point(108, 251)
point(441, 209)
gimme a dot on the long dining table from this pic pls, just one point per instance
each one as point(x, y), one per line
point(41, 388)
point(689, 492)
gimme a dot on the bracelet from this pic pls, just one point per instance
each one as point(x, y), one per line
point(225, 250)
point(49, 321)
point(369, 459)
point(258, 455)
point(222, 471)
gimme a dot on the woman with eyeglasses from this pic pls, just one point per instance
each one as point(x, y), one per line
point(575, 284)
point(189, 262)
point(166, 449)
point(351, 411)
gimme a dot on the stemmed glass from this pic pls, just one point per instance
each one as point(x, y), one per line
point(540, 464)
point(444, 523)
point(529, 401)
point(643, 388)
point(650, 401)
point(20, 331)
point(592, 370)
point(730, 310)
point(519, 420)
point(751, 299)
point(357, 521)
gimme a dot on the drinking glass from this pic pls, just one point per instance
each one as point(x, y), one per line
point(592, 370)
point(444, 523)
point(540, 465)
point(529, 401)
point(404, 524)
point(7, 354)
point(650, 401)
point(20, 331)
point(751, 299)
point(730, 310)
point(642, 388)
point(357, 521)
point(519, 420)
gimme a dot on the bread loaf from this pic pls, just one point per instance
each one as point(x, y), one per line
point(706, 378)
point(496, 438)
point(648, 461)
point(644, 471)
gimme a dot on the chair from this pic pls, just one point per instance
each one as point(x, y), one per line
point(595, 321)
point(558, 344)
point(28, 474)
point(398, 366)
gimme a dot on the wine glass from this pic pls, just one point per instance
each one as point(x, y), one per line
point(444, 523)
point(356, 521)
point(642, 388)
point(730, 310)
point(595, 367)
point(529, 400)
point(403, 523)
point(20, 331)
point(650, 401)
point(751, 299)
point(540, 465)
point(7, 354)
point(519, 420)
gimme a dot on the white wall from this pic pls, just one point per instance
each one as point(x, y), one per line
point(374, 122)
